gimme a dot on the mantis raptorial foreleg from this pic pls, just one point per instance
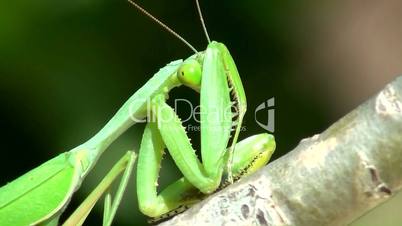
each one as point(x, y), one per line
point(149, 160)
point(251, 154)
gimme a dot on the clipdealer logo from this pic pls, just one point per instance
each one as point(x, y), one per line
point(195, 113)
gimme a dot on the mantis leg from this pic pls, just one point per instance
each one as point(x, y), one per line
point(216, 118)
point(149, 161)
point(125, 164)
point(175, 138)
point(239, 96)
point(252, 153)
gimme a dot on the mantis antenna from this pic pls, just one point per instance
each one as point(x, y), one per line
point(171, 31)
point(202, 20)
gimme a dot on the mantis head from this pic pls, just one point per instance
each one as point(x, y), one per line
point(190, 73)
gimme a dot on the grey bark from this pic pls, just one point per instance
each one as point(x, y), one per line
point(328, 179)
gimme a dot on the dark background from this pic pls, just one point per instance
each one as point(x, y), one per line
point(67, 66)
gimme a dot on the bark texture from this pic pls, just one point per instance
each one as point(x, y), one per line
point(329, 179)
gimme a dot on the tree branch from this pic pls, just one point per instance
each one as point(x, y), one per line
point(328, 179)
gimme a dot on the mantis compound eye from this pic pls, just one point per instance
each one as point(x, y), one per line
point(190, 73)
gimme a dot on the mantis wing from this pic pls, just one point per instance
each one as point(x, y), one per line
point(42, 192)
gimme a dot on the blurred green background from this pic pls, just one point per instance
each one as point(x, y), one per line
point(67, 66)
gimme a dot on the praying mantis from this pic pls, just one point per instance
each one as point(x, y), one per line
point(40, 196)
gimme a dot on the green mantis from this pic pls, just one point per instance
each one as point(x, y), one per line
point(46, 190)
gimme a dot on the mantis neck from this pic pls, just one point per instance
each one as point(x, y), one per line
point(134, 110)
